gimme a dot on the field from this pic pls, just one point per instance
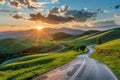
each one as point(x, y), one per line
point(109, 53)
point(34, 65)
point(90, 37)
point(10, 48)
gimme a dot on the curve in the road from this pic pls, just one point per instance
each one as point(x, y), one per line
point(93, 69)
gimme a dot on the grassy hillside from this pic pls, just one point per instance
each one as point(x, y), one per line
point(91, 38)
point(61, 35)
point(10, 46)
point(33, 66)
point(17, 47)
point(109, 53)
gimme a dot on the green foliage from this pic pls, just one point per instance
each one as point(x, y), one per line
point(99, 41)
point(30, 68)
point(80, 48)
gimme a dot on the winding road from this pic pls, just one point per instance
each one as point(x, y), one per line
point(81, 68)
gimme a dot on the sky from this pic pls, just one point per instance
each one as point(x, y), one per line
point(77, 14)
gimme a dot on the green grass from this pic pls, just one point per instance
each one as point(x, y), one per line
point(11, 45)
point(108, 35)
point(10, 48)
point(34, 67)
point(29, 57)
point(109, 53)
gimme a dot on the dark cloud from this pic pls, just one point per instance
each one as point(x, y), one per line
point(14, 3)
point(71, 15)
point(55, 10)
point(80, 16)
point(105, 23)
point(31, 4)
point(117, 6)
point(8, 11)
point(17, 17)
point(50, 18)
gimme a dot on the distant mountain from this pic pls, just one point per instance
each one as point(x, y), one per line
point(65, 30)
point(61, 35)
point(34, 33)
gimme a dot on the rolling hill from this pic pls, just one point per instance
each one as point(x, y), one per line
point(107, 35)
point(109, 53)
point(9, 46)
point(61, 35)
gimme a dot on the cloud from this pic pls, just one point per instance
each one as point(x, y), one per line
point(104, 23)
point(102, 11)
point(55, 10)
point(7, 11)
point(117, 15)
point(59, 11)
point(63, 15)
point(50, 18)
point(15, 4)
point(80, 16)
point(2, 1)
point(54, 1)
point(31, 4)
point(64, 8)
point(18, 17)
point(117, 6)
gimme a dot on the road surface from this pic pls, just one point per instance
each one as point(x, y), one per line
point(21, 58)
point(81, 68)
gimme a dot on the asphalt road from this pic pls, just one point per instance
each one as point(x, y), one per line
point(81, 68)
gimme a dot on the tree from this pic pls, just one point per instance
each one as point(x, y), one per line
point(99, 41)
point(82, 48)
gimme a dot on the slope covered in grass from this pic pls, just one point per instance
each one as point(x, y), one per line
point(35, 66)
point(105, 36)
point(10, 47)
point(61, 35)
point(109, 53)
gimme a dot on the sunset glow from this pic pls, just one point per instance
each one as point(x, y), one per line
point(39, 27)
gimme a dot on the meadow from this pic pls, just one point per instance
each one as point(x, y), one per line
point(34, 65)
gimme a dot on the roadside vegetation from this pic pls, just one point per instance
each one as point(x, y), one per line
point(11, 48)
point(29, 68)
point(109, 53)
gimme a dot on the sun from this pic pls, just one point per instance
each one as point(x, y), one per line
point(39, 27)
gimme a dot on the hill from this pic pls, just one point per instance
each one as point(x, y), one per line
point(61, 35)
point(109, 53)
point(9, 46)
point(91, 38)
